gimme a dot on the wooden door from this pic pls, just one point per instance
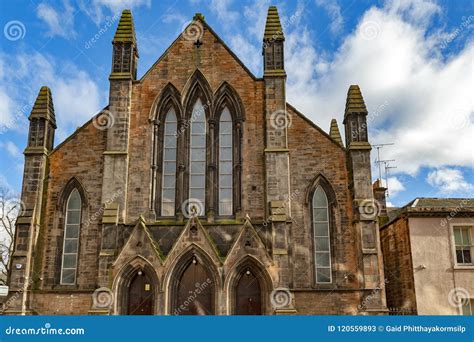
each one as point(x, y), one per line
point(248, 299)
point(195, 291)
point(140, 295)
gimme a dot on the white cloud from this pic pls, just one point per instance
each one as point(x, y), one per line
point(395, 186)
point(449, 180)
point(6, 110)
point(334, 11)
point(11, 149)
point(415, 98)
point(97, 10)
point(250, 54)
point(76, 96)
point(221, 8)
point(256, 16)
point(59, 23)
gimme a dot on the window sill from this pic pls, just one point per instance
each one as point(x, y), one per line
point(463, 267)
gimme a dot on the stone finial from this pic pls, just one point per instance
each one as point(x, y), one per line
point(355, 102)
point(273, 29)
point(334, 132)
point(126, 30)
point(43, 107)
point(199, 16)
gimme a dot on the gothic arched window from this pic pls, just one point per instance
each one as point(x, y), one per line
point(170, 140)
point(225, 164)
point(197, 157)
point(71, 238)
point(322, 244)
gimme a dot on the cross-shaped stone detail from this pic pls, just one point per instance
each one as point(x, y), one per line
point(198, 43)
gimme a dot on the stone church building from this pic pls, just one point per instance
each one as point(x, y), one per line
point(197, 190)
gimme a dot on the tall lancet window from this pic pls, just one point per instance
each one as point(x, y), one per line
point(322, 247)
point(225, 163)
point(197, 157)
point(71, 238)
point(168, 191)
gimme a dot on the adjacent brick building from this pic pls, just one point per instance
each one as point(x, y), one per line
point(198, 190)
point(428, 255)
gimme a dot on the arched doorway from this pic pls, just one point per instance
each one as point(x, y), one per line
point(248, 294)
point(140, 295)
point(194, 290)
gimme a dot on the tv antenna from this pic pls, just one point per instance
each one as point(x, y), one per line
point(387, 168)
point(378, 161)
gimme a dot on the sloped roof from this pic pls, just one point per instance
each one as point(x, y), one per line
point(443, 203)
point(433, 207)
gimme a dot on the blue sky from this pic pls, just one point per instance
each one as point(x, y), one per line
point(412, 59)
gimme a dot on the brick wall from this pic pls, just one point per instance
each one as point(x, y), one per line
point(312, 153)
point(54, 303)
point(177, 65)
point(396, 250)
point(79, 157)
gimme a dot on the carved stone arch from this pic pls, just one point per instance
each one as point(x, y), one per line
point(334, 224)
point(248, 264)
point(169, 98)
point(124, 278)
point(191, 255)
point(196, 87)
point(321, 180)
point(59, 221)
point(72, 184)
point(227, 97)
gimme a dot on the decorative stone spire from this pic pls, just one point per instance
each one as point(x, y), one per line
point(43, 107)
point(273, 29)
point(355, 102)
point(126, 30)
point(334, 132)
point(273, 49)
point(125, 52)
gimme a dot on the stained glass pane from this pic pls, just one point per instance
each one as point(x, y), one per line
point(170, 141)
point(225, 163)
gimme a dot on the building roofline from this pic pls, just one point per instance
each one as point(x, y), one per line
point(73, 134)
point(315, 126)
point(411, 210)
point(218, 38)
